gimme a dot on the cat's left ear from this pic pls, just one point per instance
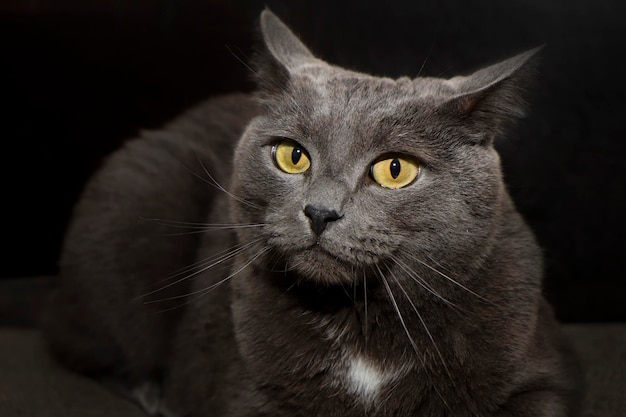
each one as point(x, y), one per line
point(494, 97)
point(282, 53)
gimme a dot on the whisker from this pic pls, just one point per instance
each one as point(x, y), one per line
point(217, 185)
point(202, 292)
point(422, 359)
point(420, 281)
point(343, 287)
point(450, 279)
point(395, 306)
point(200, 267)
point(260, 253)
point(219, 255)
point(421, 319)
point(202, 226)
point(425, 59)
point(194, 232)
point(207, 228)
point(365, 305)
point(269, 81)
point(275, 259)
point(213, 183)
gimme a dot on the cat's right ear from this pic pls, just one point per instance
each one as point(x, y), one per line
point(491, 99)
point(280, 54)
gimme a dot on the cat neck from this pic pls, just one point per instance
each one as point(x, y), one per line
point(366, 319)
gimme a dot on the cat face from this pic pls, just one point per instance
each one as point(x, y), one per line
point(369, 156)
point(349, 172)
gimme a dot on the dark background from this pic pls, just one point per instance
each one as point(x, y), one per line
point(79, 77)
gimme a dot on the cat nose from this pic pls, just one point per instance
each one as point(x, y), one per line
point(320, 217)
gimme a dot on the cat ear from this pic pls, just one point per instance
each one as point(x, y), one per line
point(492, 98)
point(281, 54)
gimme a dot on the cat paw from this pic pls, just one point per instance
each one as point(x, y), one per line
point(148, 396)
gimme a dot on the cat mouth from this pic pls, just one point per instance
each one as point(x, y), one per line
point(325, 260)
point(321, 264)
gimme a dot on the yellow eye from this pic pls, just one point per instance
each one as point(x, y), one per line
point(395, 171)
point(291, 157)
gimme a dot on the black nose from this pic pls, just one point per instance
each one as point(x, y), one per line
point(319, 217)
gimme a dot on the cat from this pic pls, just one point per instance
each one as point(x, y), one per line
point(356, 253)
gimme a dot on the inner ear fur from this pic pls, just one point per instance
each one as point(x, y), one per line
point(279, 54)
point(494, 97)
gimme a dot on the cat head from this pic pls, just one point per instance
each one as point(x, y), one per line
point(349, 172)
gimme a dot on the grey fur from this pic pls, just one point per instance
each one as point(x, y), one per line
point(434, 289)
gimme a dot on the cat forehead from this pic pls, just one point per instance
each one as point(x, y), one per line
point(326, 98)
point(334, 83)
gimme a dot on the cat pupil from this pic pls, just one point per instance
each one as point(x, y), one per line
point(394, 168)
point(296, 154)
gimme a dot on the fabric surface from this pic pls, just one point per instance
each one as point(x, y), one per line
point(31, 384)
point(602, 352)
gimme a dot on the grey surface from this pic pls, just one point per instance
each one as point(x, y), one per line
point(31, 384)
point(602, 351)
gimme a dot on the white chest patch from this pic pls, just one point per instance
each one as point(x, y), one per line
point(364, 378)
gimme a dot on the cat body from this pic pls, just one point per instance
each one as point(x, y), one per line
point(363, 255)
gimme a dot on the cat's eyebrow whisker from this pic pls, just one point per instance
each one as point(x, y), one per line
point(199, 267)
point(269, 81)
point(217, 185)
point(249, 68)
point(213, 183)
point(425, 59)
point(421, 319)
point(402, 322)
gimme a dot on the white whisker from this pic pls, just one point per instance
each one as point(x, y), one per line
point(202, 292)
point(224, 254)
point(395, 306)
point(244, 266)
point(200, 267)
point(421, 319)
point(213, 183)
point(365, 305)
point(217, 185)
point(202, 226)
point(420, 281)
point(267, 80)
point(450, 279)
point(209, 228)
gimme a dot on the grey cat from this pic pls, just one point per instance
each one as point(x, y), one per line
point(356, 254)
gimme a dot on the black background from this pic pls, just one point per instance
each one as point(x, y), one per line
point(79, 77)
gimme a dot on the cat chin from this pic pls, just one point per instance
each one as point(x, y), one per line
point(321, 267)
